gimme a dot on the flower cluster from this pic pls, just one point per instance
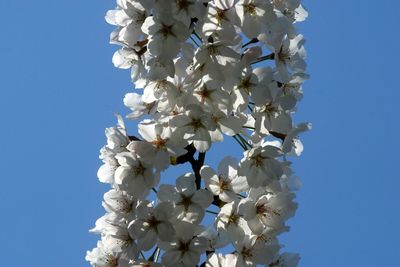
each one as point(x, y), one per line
point(203, 70)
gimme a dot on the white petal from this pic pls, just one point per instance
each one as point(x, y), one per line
point(186, 184)
point(203, 198)
point(106, 173)
point(165, 231)
point(148, 241)
point(167, 192)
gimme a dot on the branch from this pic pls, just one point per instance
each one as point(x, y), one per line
point(212, 212)
point(252, 41)
point(218, 202)
point(278, 135)
point(196, 166)
point(186, 157)
point(239, 142)
point(194, 41)
point(134, 138)
point(153, 255)
point(198, 37)
point(260, 59)
point(244, 141)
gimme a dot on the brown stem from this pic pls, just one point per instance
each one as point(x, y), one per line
point(252, 41)
point(196, 166)
point(278, 135)
point(186, 157)
point(218, 202)
point(267, 57)
point(133, 138)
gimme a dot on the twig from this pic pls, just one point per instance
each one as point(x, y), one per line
point(252, 41)
point(260, 59)
point(198, 37)
point(194, 41)
point(134, 138)
point(212, 212)
point(196, 166)
point(244, 141)
point(151, 258)
point(239, 142)
point(218, 202)
point(157, 255)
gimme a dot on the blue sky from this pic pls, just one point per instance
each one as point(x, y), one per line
point(59, 91)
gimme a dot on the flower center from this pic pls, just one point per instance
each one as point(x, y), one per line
point(149, 107)
point(159, 143)
point(124, 206)
point(182, 4)
point(263, 210)
point(184, 246)
point(220, 16)
point(153, 222)
point(258, 160)
point(185, 202)
point(196, 124)
point(246, 253)
point(139, 169)
point(250, 8)
point(269, 109)
point(166, 31)
point(204, 93)
point(223, 184)
point(233, 219)
point(111, 261)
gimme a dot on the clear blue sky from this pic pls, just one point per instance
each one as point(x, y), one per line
point(59, 90)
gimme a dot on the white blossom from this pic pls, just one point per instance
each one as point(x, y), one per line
point(221, 260)
point(185, 249)
point(189, 203)
point(117, 140)
point(249, 255)
point(126, 58)
point(230, 222)
point(254, 16)
point(138, 106)
point(214, 59)
point(220, 20)
point(159, 146)
point(267, 211)
point(185, 10)
point(291, 56)
point(144, 263)
point(166, 35)
point(133, 175)
point(152, 223)
point(292, 9)
point(285, 260)
point(226, 183)
point(194, 126)
point(120, 203)
point(129, 16)
point(203, 71)
point(260, 166)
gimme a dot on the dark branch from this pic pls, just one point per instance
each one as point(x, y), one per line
point(133, 138)
point(218, 202)
point(278, 135)
point(260, 59)
point(196, 166)
point(186, 157)
point(252, 41)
